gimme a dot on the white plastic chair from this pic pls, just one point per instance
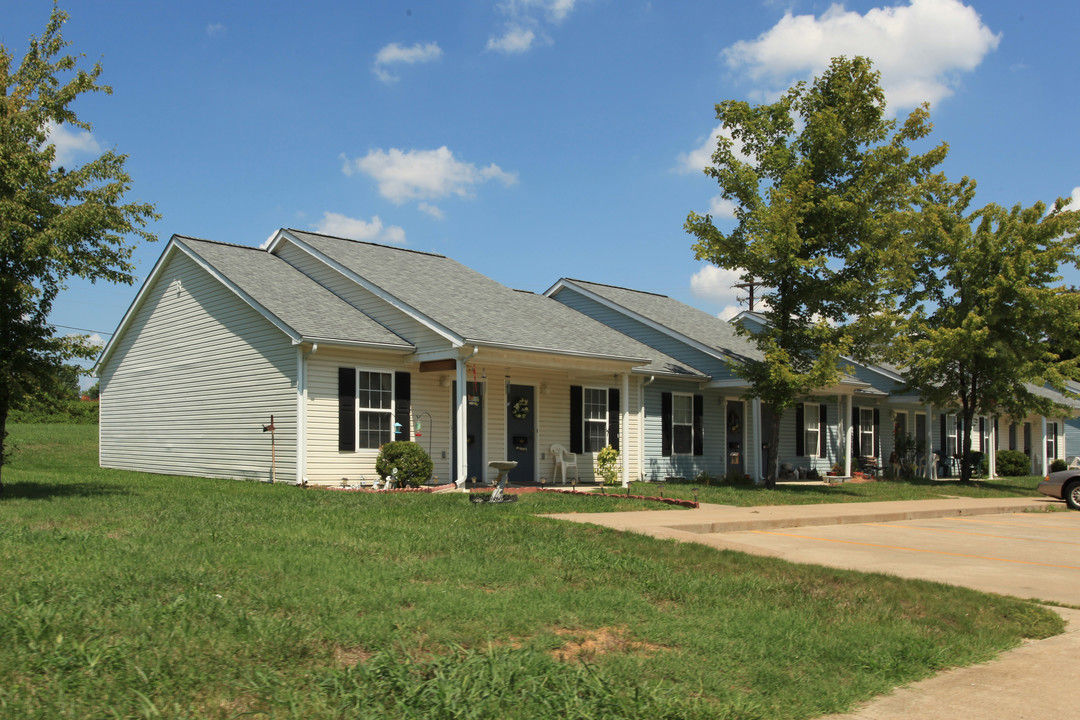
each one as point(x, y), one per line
point(1074, 463)
point(564, 460)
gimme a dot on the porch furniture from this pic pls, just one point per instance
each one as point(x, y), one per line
point(869, 466)
point(564, 460)
point(1074, 463)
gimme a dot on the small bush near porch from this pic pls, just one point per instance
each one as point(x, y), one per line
point(131, 595)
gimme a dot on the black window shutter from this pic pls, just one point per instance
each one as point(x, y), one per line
point(665, 424)
point(877, 432)
point(346, 408)
point(982, 434)
point(577, 408)
point(944, 444)
point(613, 414)
point(856, 441)
point(402, 398)
point(800, 430)
point(823, 422)
point(699, 425)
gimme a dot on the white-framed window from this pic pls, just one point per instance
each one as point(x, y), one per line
point(812, 429)
point(1052, 440)
point(951, 436)
point(682, 424)
point(374, 408)
point(866, 432)
point(596, 417)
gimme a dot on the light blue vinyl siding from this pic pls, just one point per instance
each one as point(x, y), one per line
point(717, 368)
point(657, 467)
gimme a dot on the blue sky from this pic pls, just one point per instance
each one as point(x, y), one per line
point(527, 139)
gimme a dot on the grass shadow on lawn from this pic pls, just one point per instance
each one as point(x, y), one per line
point(46, 491)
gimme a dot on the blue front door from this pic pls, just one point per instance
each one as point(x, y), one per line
point(521, 432)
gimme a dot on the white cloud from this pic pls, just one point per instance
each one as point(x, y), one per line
point(717, 285)
point(431, 210)
point(215, 29)
point(701, 157)
point(69, 143)
point(919, 47)
point(514, 40)
point(720, 207)
point(525, 23)
point(424, 174)
point(340, 225)
point(394, 54)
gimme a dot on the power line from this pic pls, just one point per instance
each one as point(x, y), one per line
point(68, 327)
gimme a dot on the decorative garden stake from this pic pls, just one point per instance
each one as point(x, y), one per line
point(273, 455)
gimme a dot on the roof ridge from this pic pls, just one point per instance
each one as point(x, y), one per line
point(217, 242)
point(368, 242)
point(618, 287)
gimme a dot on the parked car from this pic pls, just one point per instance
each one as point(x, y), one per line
point(1064, 485)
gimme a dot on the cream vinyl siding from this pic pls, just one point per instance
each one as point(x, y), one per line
point(423, 337)
point(193, 380)
point(326, 465)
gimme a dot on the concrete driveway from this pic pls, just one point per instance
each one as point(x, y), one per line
point(1003, 546)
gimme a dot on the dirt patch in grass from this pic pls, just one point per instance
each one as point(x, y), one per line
point(347, 657)
point(590, 644)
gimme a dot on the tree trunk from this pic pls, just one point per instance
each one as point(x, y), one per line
point(3, 444)
point(772, 469)
point(965, 445)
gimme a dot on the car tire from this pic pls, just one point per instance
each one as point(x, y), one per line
point(1072, 494)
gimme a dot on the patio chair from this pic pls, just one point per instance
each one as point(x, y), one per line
point(564, 460)
point(1074, 463)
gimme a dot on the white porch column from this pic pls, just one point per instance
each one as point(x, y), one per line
point(461, 446)
point(624, 426)
point(928, 440)
point(991, 458)
point(849, 431)
point(755, 438)
point(1045, 456)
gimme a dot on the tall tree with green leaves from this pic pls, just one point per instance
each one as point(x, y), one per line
point(823, 182)
point(990, 316)
point(55, 222)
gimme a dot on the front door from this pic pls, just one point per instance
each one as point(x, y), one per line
point(521, 432)
point(474, 431)
point(736, 453)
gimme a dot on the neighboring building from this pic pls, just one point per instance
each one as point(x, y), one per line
point(731, 435)
point(349, 345)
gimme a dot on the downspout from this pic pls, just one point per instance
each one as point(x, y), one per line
point(460, 442)
point(301, 411)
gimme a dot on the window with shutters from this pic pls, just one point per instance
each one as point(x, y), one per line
point(811, 429)
point(596, 419)
point(682, 424)
point(375, 408)
point(951, 436)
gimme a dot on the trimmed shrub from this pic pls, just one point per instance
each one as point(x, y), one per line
point(1058, 465)
point(1012, 463)
point(411, 461)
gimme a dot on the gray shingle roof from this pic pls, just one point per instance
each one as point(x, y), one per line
point(295, 299)
point(679, 317)
point(480, 310)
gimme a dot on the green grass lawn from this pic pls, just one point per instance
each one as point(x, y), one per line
point(792, 494)
point(124, 595)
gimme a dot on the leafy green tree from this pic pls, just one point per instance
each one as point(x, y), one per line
point(823, 183)
point(55, 222)
point(989, 316)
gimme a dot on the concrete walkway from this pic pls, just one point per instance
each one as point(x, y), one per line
point(1032, 682)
